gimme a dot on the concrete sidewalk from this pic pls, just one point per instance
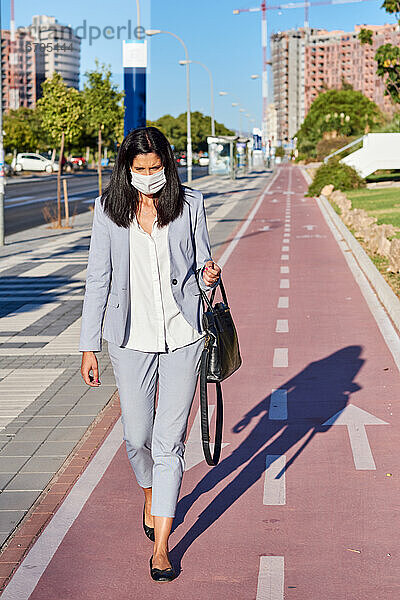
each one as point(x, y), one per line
point(47, 413)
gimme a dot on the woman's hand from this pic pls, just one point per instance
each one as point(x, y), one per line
point(89, 362)
point(211, 272)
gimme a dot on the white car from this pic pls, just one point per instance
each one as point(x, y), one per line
point(204, 161)
point(29, 161)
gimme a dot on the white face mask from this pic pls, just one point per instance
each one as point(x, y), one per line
point(148, 184)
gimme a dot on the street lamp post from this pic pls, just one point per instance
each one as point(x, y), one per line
point(151, 32)
point(183, 62)
point(241, 110)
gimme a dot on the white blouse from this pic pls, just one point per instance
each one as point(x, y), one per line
point(157, 324)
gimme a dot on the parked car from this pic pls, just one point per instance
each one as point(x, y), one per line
point(29, 161)
point(181, 160)
point(79, 161)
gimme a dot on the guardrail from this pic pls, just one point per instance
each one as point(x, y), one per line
point(353, 143)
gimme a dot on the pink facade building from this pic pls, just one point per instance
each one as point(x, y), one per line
point(18, 70)
point(334, 57)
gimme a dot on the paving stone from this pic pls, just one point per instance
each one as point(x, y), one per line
point(65, 399)
point(11, 464)
point(16, 448)
point(9, 519)
point(86, 408)
point(4, 535)
point(5, 478)
point(43, 421)
point(33, 433)
point(65, 434)
point(52, 410)
point(55, 448)
point(28, 481)
point(42, 464)
point(76, 420)
point(18, 500)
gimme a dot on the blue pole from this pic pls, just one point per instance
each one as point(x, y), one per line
point(135, 98)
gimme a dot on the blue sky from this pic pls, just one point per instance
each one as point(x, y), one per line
point(229, 45)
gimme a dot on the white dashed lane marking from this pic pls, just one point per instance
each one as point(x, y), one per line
point(282, 326)
point(275, 487)
point(281, 357)
point(278, 405)
point(283, 302)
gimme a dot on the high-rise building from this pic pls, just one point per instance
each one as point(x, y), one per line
point(57, 50)
point(18, 70)
point(36, 53)
point(333, 58)
point(287, 54)
point(307, 61)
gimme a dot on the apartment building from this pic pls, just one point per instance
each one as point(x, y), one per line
point(334, 57)
point(39, 50)
point(287, 55)
point(307, 61)
point(18, 67)
point(58, 50)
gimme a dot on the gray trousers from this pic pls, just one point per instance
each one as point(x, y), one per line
point(154, 439)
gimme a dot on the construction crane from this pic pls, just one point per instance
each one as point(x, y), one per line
point(290, 5)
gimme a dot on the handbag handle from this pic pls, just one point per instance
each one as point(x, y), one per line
point(213, 459)
point(211, 300)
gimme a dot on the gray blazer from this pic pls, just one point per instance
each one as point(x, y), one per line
point(107, 289)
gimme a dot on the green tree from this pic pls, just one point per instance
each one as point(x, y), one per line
point(60, 111)
point(365, 36)
point(174, 128)
point(387, 56)
point(336, 113)
point(23, 130)
point(103, 109)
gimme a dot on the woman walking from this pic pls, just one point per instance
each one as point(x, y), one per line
point(149, 240)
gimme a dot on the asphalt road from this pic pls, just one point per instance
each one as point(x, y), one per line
point(26, 197)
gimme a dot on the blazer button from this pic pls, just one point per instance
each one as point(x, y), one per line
point(174, 281)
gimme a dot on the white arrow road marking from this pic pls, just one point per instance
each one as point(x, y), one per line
point(274, 201)
point(194, 448)
point(355, 420)
point(270, 578)
point(309, 227)
point(275, 489)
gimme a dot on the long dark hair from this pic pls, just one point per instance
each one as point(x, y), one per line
point(121, 200)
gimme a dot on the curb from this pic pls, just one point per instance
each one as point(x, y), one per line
point(383, 290)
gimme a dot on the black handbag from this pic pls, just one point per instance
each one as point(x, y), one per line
point(220, 358)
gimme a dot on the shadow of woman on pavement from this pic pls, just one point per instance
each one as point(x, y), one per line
point(314, 395)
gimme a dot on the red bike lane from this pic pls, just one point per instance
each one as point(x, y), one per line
point(303, 502)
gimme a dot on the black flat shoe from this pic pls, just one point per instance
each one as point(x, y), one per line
point(161, 574)
point(149, 531)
